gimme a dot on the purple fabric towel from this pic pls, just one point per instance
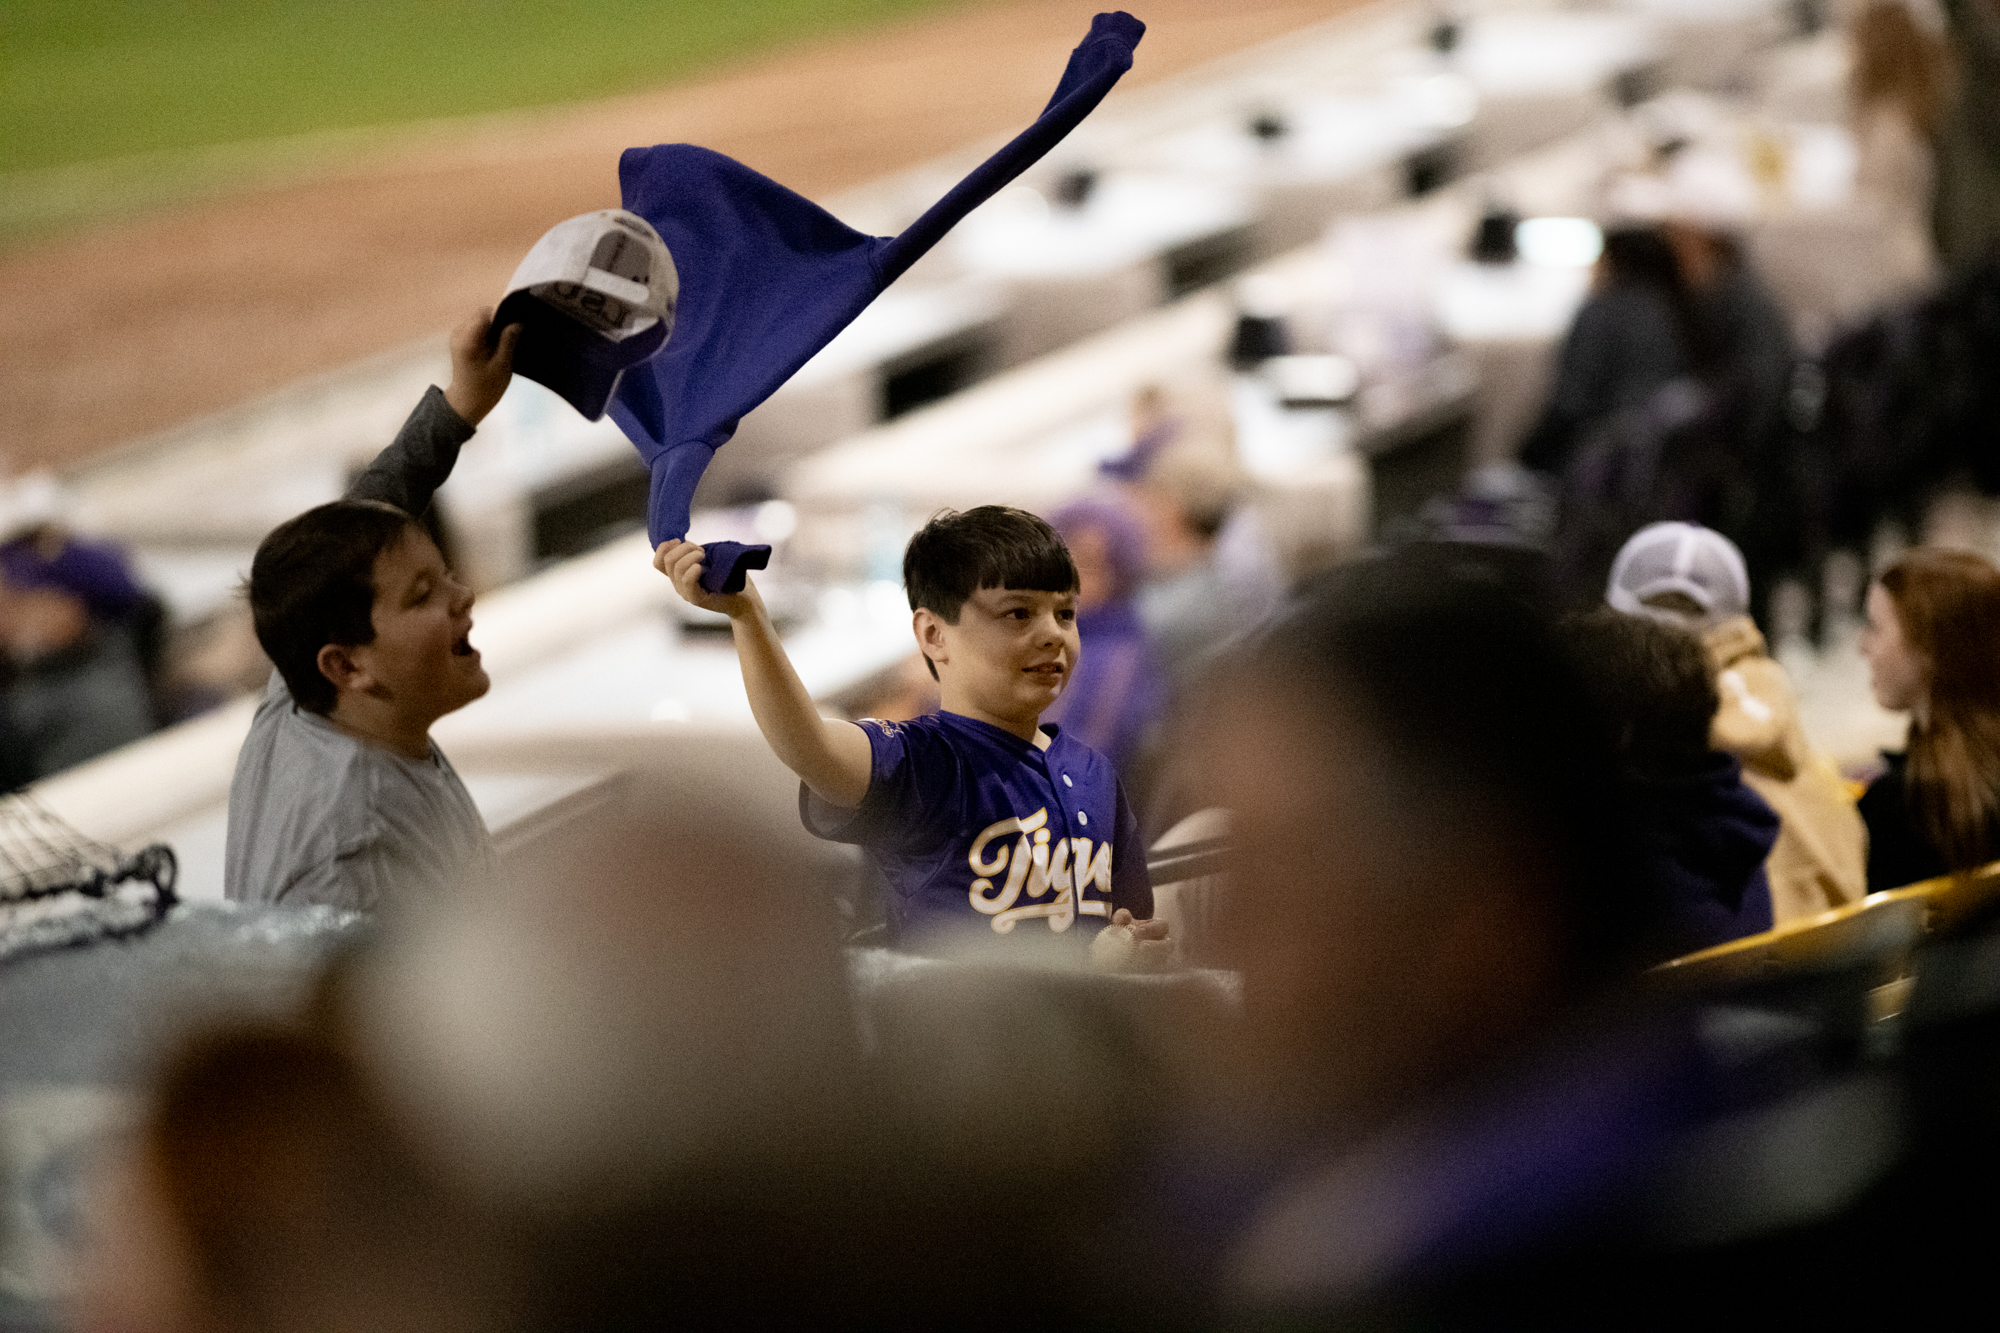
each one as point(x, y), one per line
point(725, 565)
point(768, 277)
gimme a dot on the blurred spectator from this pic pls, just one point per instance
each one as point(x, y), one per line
point(1210, 573)
point(1430, 881)
point(1667, 405)
point(643, 1049)
point(1750, 340)
point(1453, 1113)
point(1933, 649)
point(1404, 734)
point(73, 628)
point(16, 759)
point(1754, 483)
point(621, 1083)
point(94, 572)
point(1754, 360)
point(1155, 425)
point(1967, 218)
point(266, 1191)
point(1209, 577)
point(1117, 693)
point(1694, 578)
point(1641, 329)
point(1899, 87)
point(1702, 834)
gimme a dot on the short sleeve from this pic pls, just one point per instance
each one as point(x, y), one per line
point(1131, 885)
point(909, 768)
point(352, 882)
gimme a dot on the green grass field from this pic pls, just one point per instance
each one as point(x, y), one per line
point(89, 80)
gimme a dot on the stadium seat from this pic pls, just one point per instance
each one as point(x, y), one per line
point(1845, 973)
point(1954, 904)
point(1185, 867)
point(1879, 932)
point(1883, 924)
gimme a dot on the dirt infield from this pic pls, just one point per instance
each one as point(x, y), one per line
point(142, 324)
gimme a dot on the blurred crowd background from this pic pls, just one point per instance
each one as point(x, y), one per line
point(1357, 354)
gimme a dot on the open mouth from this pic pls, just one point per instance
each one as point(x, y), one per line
point(1049, 673)
point(462, 647)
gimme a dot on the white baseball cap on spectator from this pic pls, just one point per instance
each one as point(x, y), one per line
point(1698, 563)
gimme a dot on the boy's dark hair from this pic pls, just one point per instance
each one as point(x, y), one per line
point(994, 546)
point(1652, 685)
point(312, 583)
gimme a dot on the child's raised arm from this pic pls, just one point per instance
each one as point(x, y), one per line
point(408, 473)
point(831, 757)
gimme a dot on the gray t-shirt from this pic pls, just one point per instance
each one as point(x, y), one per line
point(319, 816)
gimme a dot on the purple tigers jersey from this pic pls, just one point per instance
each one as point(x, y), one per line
point(971, 825)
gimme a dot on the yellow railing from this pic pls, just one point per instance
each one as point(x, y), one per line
point(1884, 926)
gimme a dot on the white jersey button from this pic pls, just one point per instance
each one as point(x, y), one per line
point(1082, 817)
point(1067, 782)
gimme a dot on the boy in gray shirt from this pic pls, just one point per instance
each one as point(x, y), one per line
point(340, 797)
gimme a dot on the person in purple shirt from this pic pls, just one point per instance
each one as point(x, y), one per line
point(96, 573)
point(78, 651)
point(978, 817)
point(1118, 690)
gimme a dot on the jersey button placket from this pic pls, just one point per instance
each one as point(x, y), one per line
point(1049, 776)
point(1061, 803)
point(1072, 819)
point(1076, 817)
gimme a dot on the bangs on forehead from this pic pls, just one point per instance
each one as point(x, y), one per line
point(1026, 569)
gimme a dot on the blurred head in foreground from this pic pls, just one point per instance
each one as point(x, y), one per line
point(266, 1190)
point(629, 1086)
point(623, 1079)
point(1424, 832)
point(640, 1051)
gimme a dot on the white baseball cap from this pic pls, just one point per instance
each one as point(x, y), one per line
point(596, 294)
point(1697, 562)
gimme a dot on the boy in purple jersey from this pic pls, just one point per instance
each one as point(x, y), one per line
point(977, 816)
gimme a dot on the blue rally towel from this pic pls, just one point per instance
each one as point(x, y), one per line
point(768, 277)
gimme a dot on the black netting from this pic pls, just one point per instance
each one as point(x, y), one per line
point(59, 888)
